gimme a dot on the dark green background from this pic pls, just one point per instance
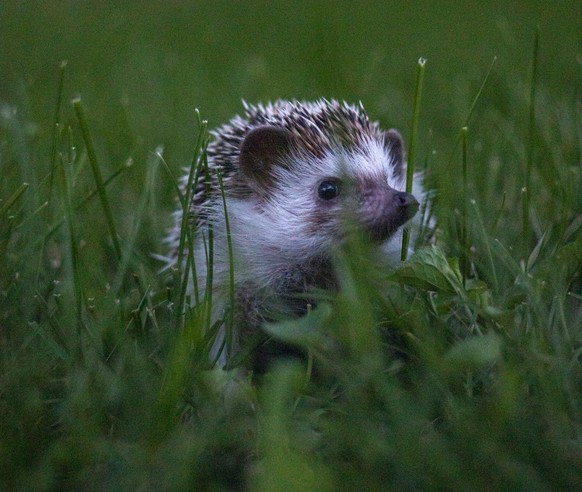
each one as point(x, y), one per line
point(142, 67)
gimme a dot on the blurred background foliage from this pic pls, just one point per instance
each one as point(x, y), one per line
point(143, 66)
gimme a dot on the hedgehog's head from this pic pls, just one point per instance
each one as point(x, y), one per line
point(311, 197)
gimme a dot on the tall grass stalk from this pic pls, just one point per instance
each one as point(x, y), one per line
point(484, 241)
point(87, 198)
point(183, 268)
point(97, 174)
point(412, 144)
point(499, 212)
point(471, 110)
point(230, 313)
point(185, 237)
point(464, 240)
point(530, 144)
point(12, 199)
point(56, 126)
point(208, 291)
point(73, 243)
point(139, 213)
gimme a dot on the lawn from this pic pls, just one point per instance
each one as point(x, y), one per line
point(459, 370)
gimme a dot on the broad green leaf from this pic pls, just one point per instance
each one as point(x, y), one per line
point(429, 269)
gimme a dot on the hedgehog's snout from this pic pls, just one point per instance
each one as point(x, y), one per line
point(406, 203)
point(385, 210)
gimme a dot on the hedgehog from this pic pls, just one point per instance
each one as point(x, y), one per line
point(295, 178)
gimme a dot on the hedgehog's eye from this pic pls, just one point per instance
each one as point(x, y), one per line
point(328, 189)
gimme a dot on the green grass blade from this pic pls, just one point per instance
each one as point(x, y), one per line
point(530, 145)
point(485, 242)
point(498, 215)
point(56, 124)
point(412, 145)
point(464, 239)
point(86, 199)
point(230, 314)
point(471, 110)
point(73, 246)
point(13, 198)
point(97, 174)
point(208, 292)
point(139, 213)
point(188, 222)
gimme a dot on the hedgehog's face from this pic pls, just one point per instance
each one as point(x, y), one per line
point(318, 199)
point(371, 205)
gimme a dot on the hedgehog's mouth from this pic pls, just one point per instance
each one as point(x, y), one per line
point(382, 220)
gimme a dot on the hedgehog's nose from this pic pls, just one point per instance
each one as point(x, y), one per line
point(406, 203)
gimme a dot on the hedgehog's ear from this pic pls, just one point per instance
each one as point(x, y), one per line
point(263, 148)
point(395, 147)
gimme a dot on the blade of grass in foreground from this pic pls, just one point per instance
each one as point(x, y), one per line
point(464, 241)
point(54, 154)
point(229, 321)
point(88, 197)
point(97, 174)
point(73, 244)
point(139, 213)
point(471, 110)
point(485, 242)
point(13, 198)
point(530, 149)
point(412, 145)
point(186, 232)
point(56, 124)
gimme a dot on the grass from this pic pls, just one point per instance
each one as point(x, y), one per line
point(412, 145)
point(460, 370)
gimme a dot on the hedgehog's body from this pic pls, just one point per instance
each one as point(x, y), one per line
point(294, 174)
